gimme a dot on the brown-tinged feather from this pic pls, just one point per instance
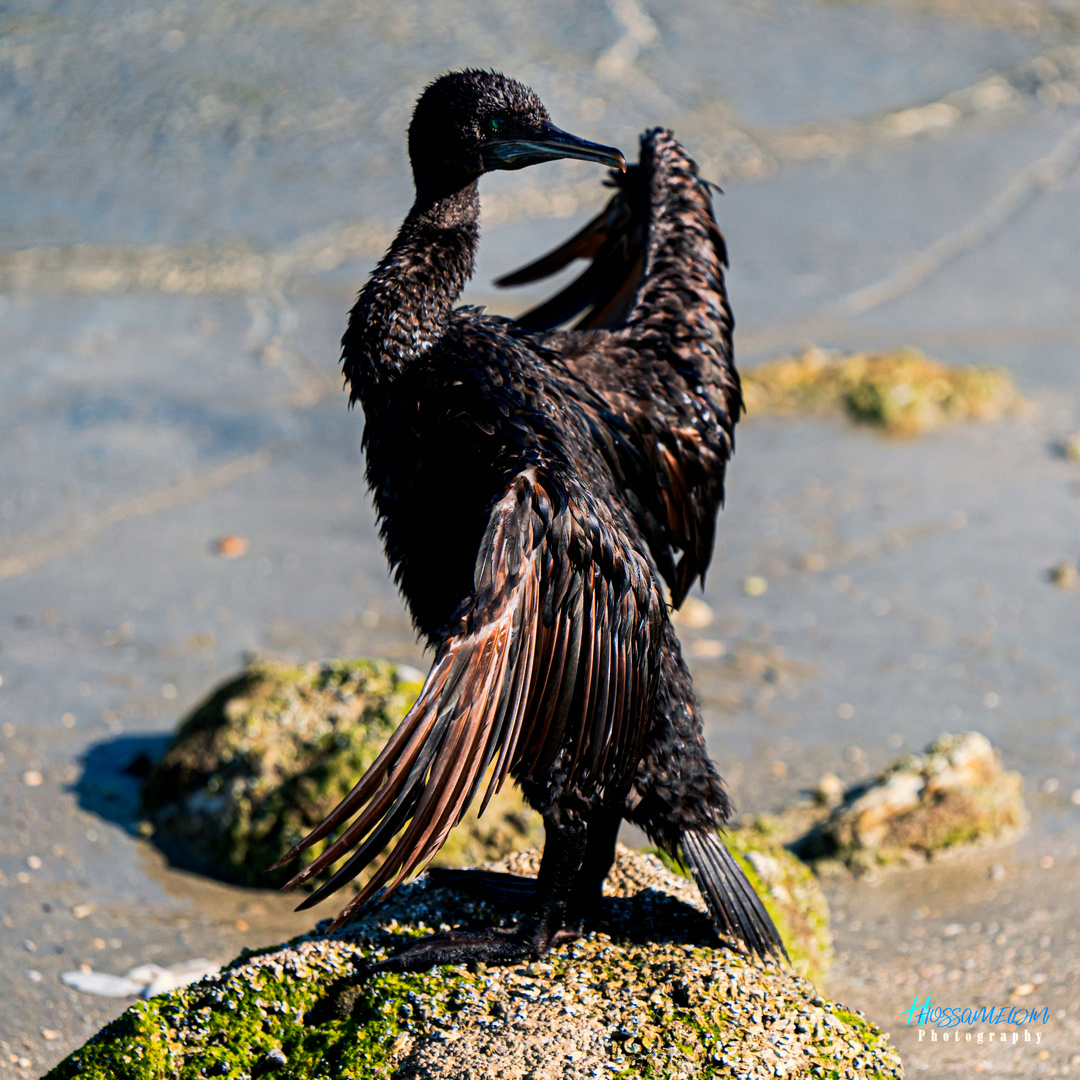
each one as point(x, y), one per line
point(532, 487)
point(584, 244)
point(503, 682)
point(654, 341)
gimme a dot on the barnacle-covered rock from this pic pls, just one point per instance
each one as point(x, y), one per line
point(270, 753)
point(650, 993)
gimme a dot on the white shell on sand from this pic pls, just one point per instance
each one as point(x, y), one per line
point(146, 980)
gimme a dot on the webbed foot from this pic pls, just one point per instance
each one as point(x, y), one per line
point(488, 946)
point(491, 945)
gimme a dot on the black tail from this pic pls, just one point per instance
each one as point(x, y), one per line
point(736, 908)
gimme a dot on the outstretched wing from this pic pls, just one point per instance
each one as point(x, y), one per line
point(614, 244)
point(554, 653)
point(660, 352)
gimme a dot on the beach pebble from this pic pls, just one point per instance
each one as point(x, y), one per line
point(694, 614)
point(829, 790)
point(1064, 575)
point(755, 585)
point(707, 649)
point(231, 546)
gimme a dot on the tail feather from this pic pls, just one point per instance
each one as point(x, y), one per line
point(735, 907)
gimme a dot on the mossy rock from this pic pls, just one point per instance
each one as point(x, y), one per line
point(649, 994)
point(903, 392)
point(270, 753)
point(956, 792)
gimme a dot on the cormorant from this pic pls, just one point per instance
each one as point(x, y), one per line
point(535, 488)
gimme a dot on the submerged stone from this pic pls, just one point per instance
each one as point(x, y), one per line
point(270, 753)
point(651, 993)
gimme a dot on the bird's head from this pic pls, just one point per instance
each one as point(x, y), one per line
point(471, 122)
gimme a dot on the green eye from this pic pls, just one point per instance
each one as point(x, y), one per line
point(495, 125)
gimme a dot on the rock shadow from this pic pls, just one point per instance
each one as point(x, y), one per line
point(650, 916)
point(113, 774)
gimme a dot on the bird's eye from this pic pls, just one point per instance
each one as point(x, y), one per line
point(495, 125)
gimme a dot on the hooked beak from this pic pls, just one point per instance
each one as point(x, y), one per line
point(548, 144)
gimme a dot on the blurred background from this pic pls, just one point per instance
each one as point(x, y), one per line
point(190, 195)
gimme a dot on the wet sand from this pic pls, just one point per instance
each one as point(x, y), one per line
point(190, 199)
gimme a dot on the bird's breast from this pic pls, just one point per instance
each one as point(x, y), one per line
point(433, 485)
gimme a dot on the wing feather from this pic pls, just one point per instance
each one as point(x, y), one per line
point(556, 651)
point(614, 244)
point(661, 372)
point(584, 244)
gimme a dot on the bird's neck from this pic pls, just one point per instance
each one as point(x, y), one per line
point(404, 307)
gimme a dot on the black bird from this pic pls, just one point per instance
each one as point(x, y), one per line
point(535, 488)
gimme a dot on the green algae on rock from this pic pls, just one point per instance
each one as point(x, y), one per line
point(649, 994)
point(270, 753)
point(956, 792)
point(903, 392)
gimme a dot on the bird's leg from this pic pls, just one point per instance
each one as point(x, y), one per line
point(560, 868)
point(599, 858)
point(513, 891)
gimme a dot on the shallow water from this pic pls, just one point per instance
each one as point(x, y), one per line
point(189, 198)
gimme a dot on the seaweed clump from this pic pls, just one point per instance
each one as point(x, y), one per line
point(270, 753)
point(903, 392)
